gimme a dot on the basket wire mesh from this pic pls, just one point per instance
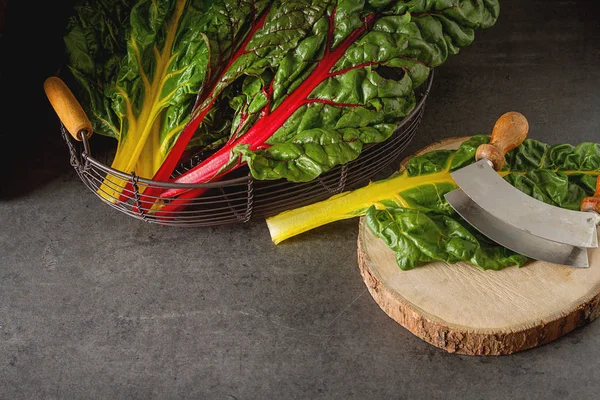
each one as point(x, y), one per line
point(242, 198)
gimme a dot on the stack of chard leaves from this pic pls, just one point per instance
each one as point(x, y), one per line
point(314, 93)
point(409, 211)
point(292, 88)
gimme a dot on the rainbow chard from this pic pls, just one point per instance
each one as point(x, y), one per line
point(319, 80)
point(292, 88)
point(148, 93)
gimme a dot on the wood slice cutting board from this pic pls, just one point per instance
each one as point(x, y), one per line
point(463, 309)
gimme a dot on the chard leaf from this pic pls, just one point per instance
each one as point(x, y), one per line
point(95, 44)
point(561, 175)
point(418, 237)
point(143, 94)
point(409, 212)
point(370, 86)
point(159, 77)
point(273, 28)
point(293, 88)
point(312, 151)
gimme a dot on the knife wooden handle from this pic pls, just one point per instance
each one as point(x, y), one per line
point(592, 203)
point(509, 132)
point(67, 108)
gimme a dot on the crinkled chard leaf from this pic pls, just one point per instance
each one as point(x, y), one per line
point(409, 212)
point(292, 88)
point(274, 29)
point(326, 78)
point(419, 237)
point(370, 87)
point(426, 228)
point(96, 43)
point(144, 92)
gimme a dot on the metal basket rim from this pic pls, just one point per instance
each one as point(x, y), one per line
point(87, 158)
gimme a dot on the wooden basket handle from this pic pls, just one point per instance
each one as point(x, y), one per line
point(67, 108)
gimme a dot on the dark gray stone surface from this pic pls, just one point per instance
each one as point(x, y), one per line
point(94, 304)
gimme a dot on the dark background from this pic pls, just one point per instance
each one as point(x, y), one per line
point(94, 304)
point(31, 49)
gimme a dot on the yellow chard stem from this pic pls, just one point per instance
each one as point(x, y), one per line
point(348, 204)
point(352, 204)
point(134, 152)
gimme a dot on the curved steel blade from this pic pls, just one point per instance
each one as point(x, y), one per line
point(500, 199)
point(513, 238)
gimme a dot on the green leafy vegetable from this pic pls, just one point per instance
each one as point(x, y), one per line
point(292, 88)
point(141, 66)
point(96, 43)
point(409, 211)
point(341, 77)
point(418, 237)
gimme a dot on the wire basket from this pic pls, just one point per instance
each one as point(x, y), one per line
point(241, 198)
